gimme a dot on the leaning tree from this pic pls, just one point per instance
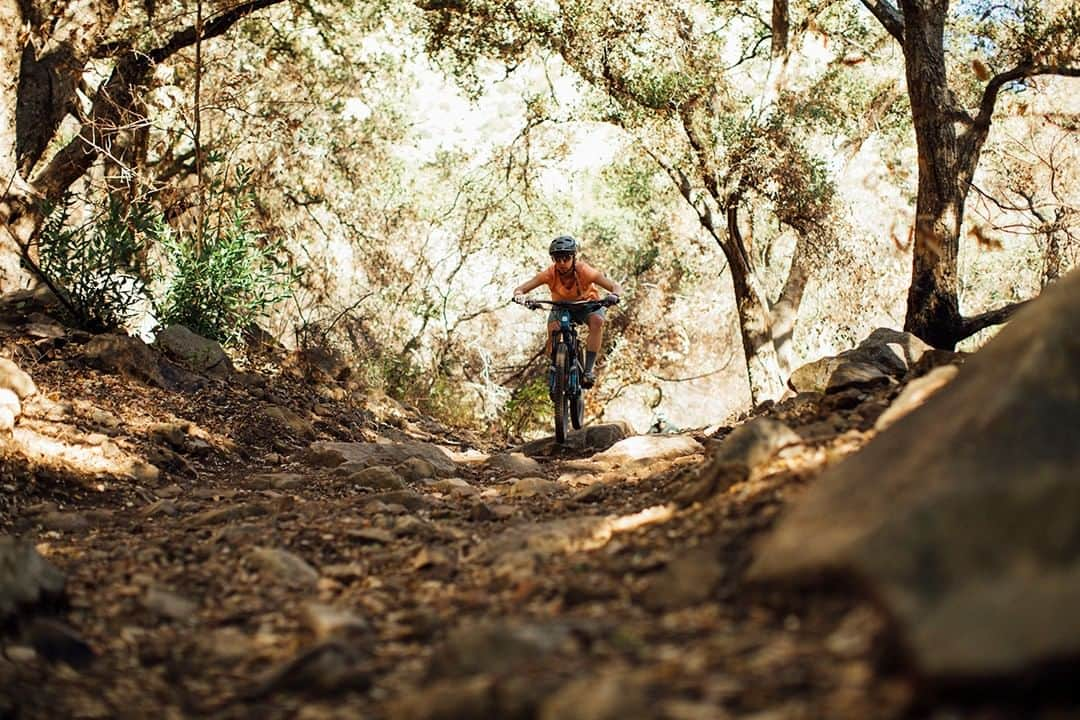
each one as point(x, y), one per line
point(53, 127)
point(1012, 42)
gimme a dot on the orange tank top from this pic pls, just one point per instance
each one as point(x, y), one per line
point(577, 285)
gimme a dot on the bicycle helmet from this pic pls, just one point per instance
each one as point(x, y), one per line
point(563, 244)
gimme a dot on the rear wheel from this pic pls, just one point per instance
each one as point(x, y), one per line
point(560, 394)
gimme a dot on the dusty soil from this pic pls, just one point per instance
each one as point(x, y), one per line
point(586, 598)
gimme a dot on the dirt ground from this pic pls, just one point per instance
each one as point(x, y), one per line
point(242, 581)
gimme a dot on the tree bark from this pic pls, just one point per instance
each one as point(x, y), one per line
point(933, 312)
point(37, 91)
point(785, 311)
point(755, 325)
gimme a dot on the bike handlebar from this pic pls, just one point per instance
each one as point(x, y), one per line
point(565, 304)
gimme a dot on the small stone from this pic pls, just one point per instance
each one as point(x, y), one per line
point(326, 621)
point(369, 534)
point(285, 565)
point(169, 604)
point(378, 477)
point(532, 486)
point(64, 521)
point(416, 469)
point(455, 487)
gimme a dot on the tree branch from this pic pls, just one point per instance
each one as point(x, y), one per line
point(117, 92)
point(889, 17)
point(970, 326)
point(1023, 70)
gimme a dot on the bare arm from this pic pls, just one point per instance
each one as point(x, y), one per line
point(530, 285)
point(608, 284)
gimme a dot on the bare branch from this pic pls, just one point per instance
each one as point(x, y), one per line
point(117, 93)
point(970, 326)
point(889, 17)
point(1023, 70)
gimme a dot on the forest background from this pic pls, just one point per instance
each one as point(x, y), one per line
point(370, 179)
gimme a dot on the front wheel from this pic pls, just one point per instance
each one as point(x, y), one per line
point(577, 410)
point(560, 392)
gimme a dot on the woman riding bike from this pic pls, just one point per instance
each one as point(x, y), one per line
point(571, 280)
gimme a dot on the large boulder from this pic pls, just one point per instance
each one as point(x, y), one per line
point(962, 516)
point(884, 354)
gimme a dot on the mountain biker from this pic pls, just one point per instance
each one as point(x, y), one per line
point(569, 280)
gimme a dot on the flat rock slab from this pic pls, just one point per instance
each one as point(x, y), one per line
point(962, 516)
point(648, 448)
point(364, 454)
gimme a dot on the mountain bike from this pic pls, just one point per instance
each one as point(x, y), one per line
point(567, 363)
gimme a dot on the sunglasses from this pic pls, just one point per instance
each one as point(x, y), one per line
point(560, 256)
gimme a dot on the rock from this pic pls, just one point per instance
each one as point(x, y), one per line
point(613, 695)
point(25, 577)
point(601, 437)
point(285, 565)
point(57, 642)
point(226, 513)
point(593, 437)
point(415, 469)
point(475, 648)
point(688, 579)
point(332, 454)
point(813, 376)
point(883, 354)
point(280, 416)
point(448, 700)
point(277, 481)
point(915, 393)
point(857, 375)
point(64, 521)
point(405, 498)
point(961, 517)
point(327, 622)
point(9, 400)
point(377, 477)
point(196, 352)
point(454, 487)
point(515, 464)
point(14, 378)
point(169, 605)
point(7, 419)
point(324, 669)
point(645, 449)
point(175, 434)
point(370, 535)
point(571, 534)
point(747, 447)
point(532, 486)
point(125, 356)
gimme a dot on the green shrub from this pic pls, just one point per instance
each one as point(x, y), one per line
point(529, 407)
point(221, 283)
point(97, 269)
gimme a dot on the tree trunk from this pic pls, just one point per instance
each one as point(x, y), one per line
point(933, 311)
point(785, 310)
point(755, 325)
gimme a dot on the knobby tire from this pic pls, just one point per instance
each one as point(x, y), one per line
point(561, 392)
point(577, 402)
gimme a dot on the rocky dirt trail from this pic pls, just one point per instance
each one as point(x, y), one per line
point(244, 546)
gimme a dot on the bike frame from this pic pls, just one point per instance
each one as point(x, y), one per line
point(567, 363)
